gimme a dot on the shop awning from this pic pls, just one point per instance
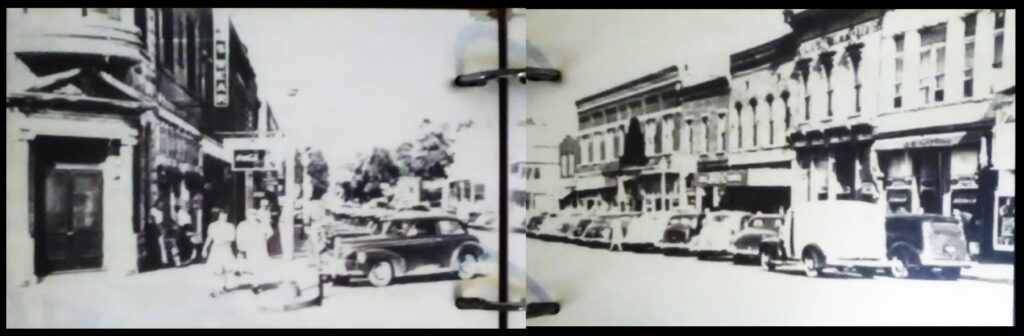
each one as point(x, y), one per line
point(928, 141)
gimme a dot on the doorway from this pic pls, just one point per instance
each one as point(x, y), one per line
point(72, 230)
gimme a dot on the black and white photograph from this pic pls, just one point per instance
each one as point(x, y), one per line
point(251, 168)
point(775, 167)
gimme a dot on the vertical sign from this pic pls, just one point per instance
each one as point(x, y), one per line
point(221, 47)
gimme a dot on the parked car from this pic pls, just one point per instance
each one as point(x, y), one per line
point(746, 243)
point(922, 243)
point(559, 227)
point(849, 235)
point(715, 237)
point(597, 233)
point(484, 221)
point(407, 243)
point(680, 230)
point(642, 232)
point(580, 227)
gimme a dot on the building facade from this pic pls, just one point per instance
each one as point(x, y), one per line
point(601, 181)
point(941, 72)
point(105, 123)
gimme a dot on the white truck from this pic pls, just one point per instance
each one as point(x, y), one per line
point(848, 235)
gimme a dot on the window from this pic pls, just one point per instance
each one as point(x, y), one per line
point(536, 173)
point(739, 125)
point(140, 22)
point(478, 192)
point(190, 48)
point(167, 36)
point(601, 141)
point(657, 137)
point(707, 134)
point(652, 104)
point(179, 43)
point(753, 120)
point(689, 127)
point(785, 103)
point(424, 228)
point(970, 22)
point(450, 227)
point(623, 113)
point(721, 132)
point(897, 100)
point(667, 100)
point(676, 128)
point(465, 190)
point(771, 119)
point(590, 151)
point(933, 61)
point(610, 115)
point(997, 61)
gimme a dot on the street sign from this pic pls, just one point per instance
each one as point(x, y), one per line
point(249, 159)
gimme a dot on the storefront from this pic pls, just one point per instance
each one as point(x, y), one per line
point(71, 144)
point(1004, 165)
point(765, 190)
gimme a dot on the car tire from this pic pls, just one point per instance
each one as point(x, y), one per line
point(468, 265)
point(702, 256)
point(951, 273)
point(381, 274)
point(766, 261)
point(899, 266)
point(812, 264)
point(867, 273)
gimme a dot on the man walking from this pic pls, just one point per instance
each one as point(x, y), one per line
point(616, 235)
point(251, 237)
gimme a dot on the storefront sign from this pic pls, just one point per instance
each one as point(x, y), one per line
point(221, 53)
point(731, 178)
point(249, 159)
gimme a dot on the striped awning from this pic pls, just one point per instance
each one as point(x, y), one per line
point(928, 141)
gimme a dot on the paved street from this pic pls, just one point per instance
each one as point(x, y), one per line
point(179, 298)
point(599, 287)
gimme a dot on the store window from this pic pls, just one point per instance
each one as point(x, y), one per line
point(478, 192)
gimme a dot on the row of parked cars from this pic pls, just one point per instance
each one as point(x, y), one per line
point(851, 236)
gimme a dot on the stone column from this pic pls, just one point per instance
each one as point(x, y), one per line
point(20, 243)
point(119, 240)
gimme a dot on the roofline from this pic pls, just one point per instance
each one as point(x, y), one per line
point(652, 77)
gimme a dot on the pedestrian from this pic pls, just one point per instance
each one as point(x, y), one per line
point(187, 230)
point(168, 237)
point(155, 252)
point(616, 235)
point(251, 238)
point(217, 250)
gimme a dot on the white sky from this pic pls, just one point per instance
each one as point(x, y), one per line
point(599, 49)
point(367, 77)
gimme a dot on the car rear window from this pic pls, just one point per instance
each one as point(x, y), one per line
point(945, 227)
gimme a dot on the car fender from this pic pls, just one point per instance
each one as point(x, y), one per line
point(903, 246)
point(468, 246)
point(373, 255)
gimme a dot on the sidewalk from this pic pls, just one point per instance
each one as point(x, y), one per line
point(1001, 273)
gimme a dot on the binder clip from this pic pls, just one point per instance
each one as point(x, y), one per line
point(523, 74)
point(534, 309)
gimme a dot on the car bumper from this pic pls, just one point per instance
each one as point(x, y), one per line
point(858, 262)
point(748, 252)
point(947, 263)
point(672, 246)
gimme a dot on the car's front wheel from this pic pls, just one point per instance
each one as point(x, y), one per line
point(468, 266)
point(812, 266)
point(766, 260)
point(952, 273)
point(381, 274)
point(899, 267)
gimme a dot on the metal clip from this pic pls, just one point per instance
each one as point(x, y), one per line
point(523, 74)
point(532, 309)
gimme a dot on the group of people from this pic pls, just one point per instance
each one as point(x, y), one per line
point(230, 250)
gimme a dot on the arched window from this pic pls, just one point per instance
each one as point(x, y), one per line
point(771, 119)
point(753, 120)
point(785, 104)
point(739, 125)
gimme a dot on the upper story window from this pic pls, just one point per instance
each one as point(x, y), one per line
point(970, 25)
point(652, 104)
point(706, 129)
point(897, 100)
point(1000, 23)
point(689, 128)
point(739, 125)
point(721, 131)
point(167, 36)
point(668, 101)
point(933, 63)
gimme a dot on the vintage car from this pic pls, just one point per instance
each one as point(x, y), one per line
point(922, 243)
point(843, 234)
point(580, 228)
point(746, 243)
point(406, 243)
point(680, 230)
point(533, 223)
point(558, 227)
point(354, 222)
point(597, 233)
point(643, 231)
point(484, 221)
point(716, 234)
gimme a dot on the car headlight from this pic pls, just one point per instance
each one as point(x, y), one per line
point(360, 257)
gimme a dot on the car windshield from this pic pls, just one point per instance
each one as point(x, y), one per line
point(945, 227)
point(765, 223)
point(396, 228)
point(681, 220)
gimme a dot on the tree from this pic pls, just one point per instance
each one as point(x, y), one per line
point(374, 170)
point(431, 154)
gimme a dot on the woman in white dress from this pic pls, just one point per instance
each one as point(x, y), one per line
point(252, 235)
point(217, 249)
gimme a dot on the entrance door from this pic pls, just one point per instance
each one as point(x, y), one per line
point(73, 219)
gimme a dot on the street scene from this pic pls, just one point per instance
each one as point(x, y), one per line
point(251, 168)
point(776, 167)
